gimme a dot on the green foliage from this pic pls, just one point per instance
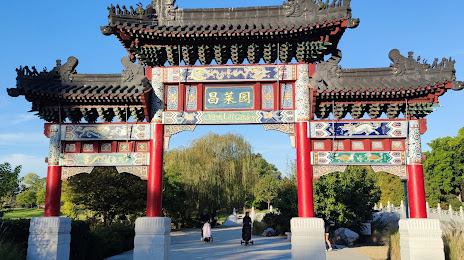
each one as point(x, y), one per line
point(9, 183)
point(35, 185)
point(444, 170)
point(80, 236)
point(215, 172)
point(10, 251)
point(107, 193)
point(280, 223)
point(391, 188)
point(26, 198)
point(259, 227)
point(351, 195)
point(267, 189)
point(106, 241)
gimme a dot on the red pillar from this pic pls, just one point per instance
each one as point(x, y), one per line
point(53, 192)
point(155, 173)
point(304, 171)
point(416, 191)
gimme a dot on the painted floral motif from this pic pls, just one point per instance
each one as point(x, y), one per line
point(191, 98)
point(106, 132)
point(358, 158)
point(414, 143)
point(230, 73)
point(268, 97)
point(114, 159)
point(157, 96)
point(55, 149)
point(302, 102)
point(173, 96)
point(287, 97)
point(359, 129)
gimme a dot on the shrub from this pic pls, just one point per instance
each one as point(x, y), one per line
point(106, 241)
point(80, 234)
point(394, 249)
point(278, 222)
point(258, 228)
point(10, 251)
point(453, 239)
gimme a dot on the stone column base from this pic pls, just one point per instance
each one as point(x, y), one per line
point(49, 238)
point(308, 238)
point(420, 239)
point(152, 238)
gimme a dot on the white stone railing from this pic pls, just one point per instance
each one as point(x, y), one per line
point(432, 213)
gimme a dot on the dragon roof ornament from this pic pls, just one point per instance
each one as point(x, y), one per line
point(404, 73)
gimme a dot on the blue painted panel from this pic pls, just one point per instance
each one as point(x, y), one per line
point(225, 98)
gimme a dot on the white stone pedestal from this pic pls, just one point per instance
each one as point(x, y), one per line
point(420, 239)
point(308, 241)
point(152, 238)
point(49, 238)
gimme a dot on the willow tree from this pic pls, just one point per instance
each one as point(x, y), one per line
point(216, 171)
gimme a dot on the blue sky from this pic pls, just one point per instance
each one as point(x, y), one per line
point(40, 32)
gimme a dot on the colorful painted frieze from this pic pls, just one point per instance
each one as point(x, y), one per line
point(287, 96)
point(397, 170)
point(358, 129)
point(101, 159)
point(230, 73)
point(91, 132)
point(229, 98)
point(173, 98)
point(358, 158)
point(229, 117)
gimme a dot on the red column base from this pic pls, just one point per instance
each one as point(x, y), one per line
point(53, 192)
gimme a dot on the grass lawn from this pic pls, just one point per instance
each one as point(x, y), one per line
point(24, 213)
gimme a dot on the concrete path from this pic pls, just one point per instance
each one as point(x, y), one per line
point(186, 244)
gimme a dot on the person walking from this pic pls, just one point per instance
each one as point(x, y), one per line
point(332, 227)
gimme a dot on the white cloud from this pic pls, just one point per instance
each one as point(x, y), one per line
point(29, 163)
point(21, 138)
point(21, 118)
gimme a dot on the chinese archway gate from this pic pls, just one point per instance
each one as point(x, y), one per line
point(308, 99)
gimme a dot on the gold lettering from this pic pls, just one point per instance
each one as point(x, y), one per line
point(245, 97)
point(229, 98)
point(213, 99)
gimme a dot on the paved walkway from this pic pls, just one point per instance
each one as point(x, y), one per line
point(186, 244)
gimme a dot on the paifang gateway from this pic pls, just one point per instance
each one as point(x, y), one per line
point(285, 76)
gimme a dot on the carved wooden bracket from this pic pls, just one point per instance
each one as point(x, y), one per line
point(170, 130)
point(284, 128)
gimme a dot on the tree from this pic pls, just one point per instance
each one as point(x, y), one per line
point(9, 182)
point(444, 170)
point(391, 188)
point(216, 172)
point(33, 182)
point(26, 198)
point(108, 193)
point(267, 189)
point(351, 195)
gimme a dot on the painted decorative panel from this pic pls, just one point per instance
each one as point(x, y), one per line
point(105, 147)
point(377, 145)
point(338, 145)
point(358, 158)
point(287, 96)
point(87, 148)
point(71, 148)
point(123, 147)
point(356, 145)
point(358, 129)
point(319, 146)
point(55, 149)
point(229, 117)
point(302, 102)
point(157, 99)
point(267, 97)
point(414, 143)
point(397, 170)
point(98, 159)
point(191, 98)
point(106, 132)
point(173, 98)
point(68, 172)
point(142, 147)
point(397, 145)
point(139, 171)
point(227, 98)
point(230, 73)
